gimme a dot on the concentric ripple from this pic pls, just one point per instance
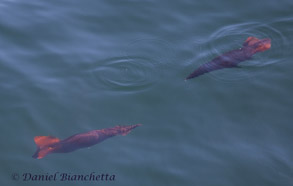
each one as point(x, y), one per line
point(232, 37)
point(138, 68)
point(128, 74)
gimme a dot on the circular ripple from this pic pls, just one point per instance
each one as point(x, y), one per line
point(138, 68)
point(128, 74)
point(232, 37)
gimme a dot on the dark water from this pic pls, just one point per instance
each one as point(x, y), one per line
point(73, 66)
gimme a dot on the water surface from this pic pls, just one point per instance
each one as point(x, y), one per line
point(73, 66)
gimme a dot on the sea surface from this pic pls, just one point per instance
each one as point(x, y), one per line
point(69, 66)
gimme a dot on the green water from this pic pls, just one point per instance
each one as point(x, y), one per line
point(73, 66)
